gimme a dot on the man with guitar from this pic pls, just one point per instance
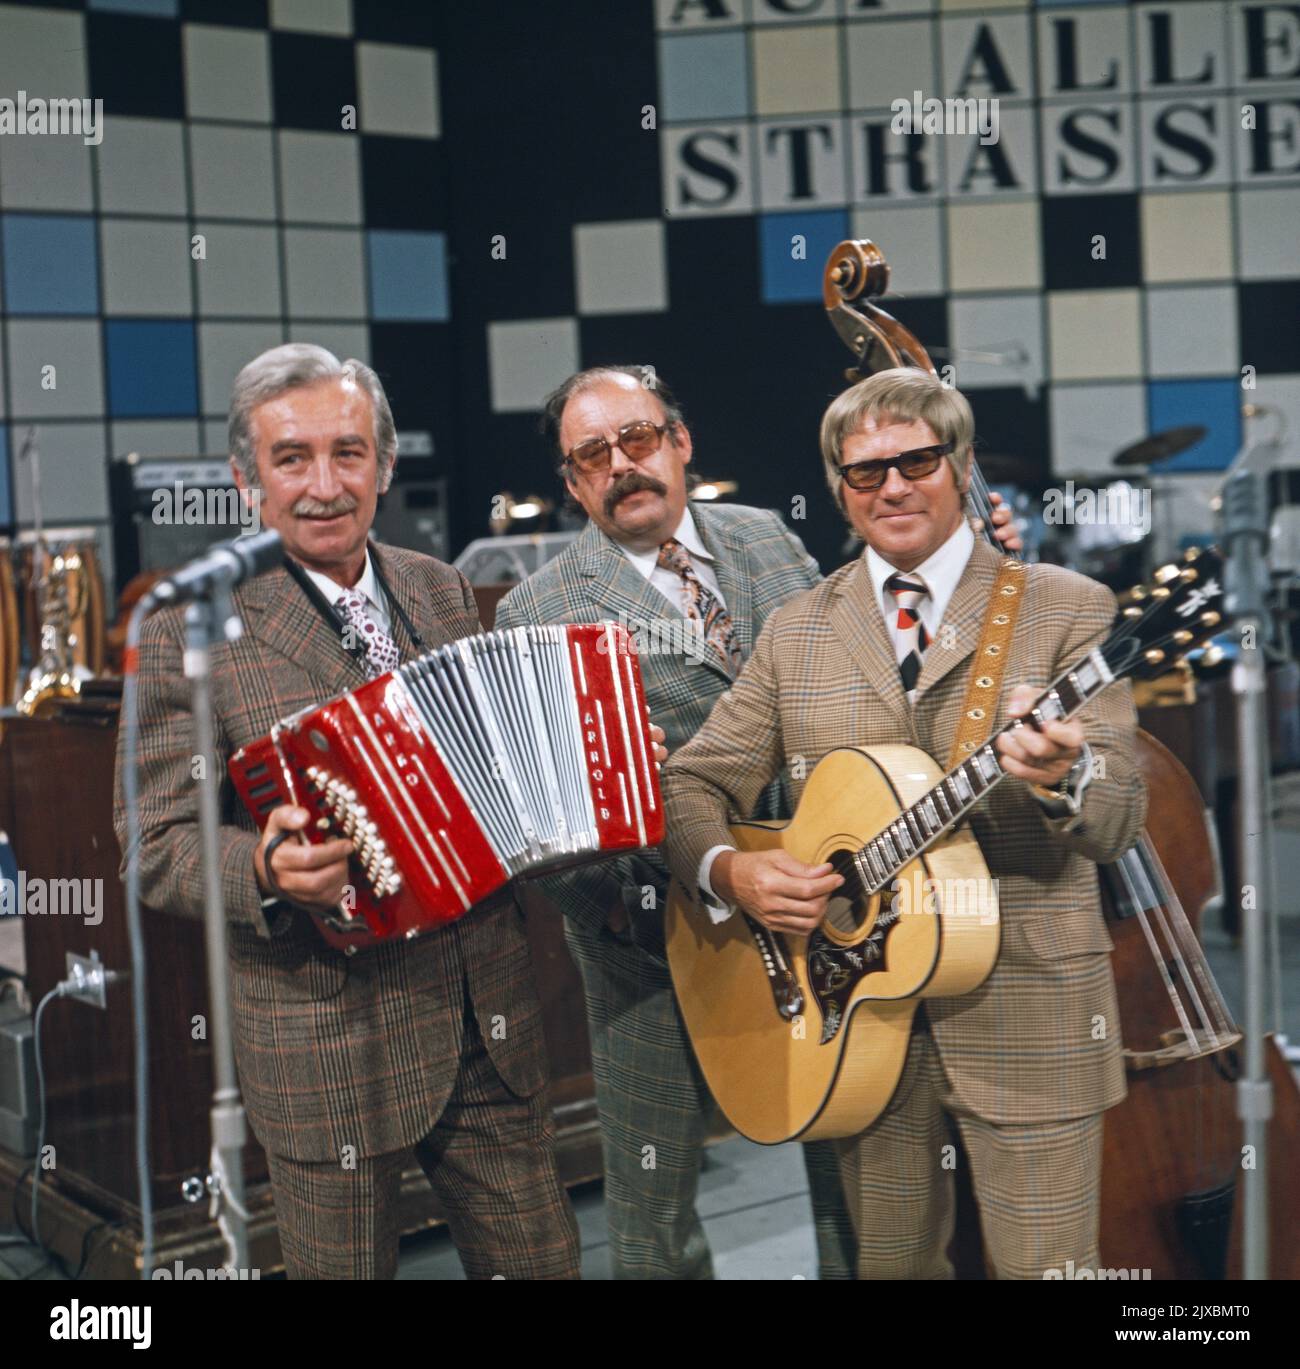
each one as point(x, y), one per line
point(651, 558)
point(881, 652)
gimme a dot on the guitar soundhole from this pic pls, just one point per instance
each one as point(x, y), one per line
point(848, 916)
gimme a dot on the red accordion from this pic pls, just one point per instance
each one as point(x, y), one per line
point(491, 757)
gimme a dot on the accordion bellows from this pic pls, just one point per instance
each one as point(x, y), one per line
point(494, 756)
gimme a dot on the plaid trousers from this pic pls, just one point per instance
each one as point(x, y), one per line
point(654, 1108)
point(1037, 1185)
point(491, 1160)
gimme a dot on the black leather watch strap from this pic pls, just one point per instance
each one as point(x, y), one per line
point(271, 880)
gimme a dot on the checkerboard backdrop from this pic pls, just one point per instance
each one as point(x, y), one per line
point(530, 188)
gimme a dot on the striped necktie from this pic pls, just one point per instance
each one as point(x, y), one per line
point(911, 636)
point(701, 605)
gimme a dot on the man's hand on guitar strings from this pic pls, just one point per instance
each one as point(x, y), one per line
point(1043, 758)
point(783, 893)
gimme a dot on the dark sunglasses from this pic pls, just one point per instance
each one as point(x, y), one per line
point(913, 465)
point(638, 441)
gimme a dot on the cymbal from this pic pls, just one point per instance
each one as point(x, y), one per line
point(1160, 446)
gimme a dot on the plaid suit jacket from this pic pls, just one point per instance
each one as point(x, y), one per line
point(1039, 1040)
point(760, 565)
point(332, 1050)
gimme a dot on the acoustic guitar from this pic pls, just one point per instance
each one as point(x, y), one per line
point(806, 1037)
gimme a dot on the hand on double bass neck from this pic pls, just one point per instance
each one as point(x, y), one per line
point(783, 893)
point(1004, 529)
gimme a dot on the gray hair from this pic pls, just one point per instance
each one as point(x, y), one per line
point(903, 394)
point(292, 367)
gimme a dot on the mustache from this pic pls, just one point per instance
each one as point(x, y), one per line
point(631, 483)
point(307, 507)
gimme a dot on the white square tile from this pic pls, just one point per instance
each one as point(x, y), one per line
point(240, 274)
point(74, 474)
point(1090, 423)
point(326, 272)
point(1008, 324)
point(43, 52)
point(994, 246)
point(398, 89)
point(320, 177)
point(345, 340)
point(74, 350)
point(227, 73)
point(155, 437)
point(1192, 332)
point(47, 173)
point(800, 161)
point(1094, 334)
point(1267, 226)
point(224, 350)
point(796, 70)
point(912, 241)
point(889, 60)
point(621, 268)
point(216, 437)
point(232, 171)
point(528, 358)
point(313, 16)
point(1187, 236)
point(144, 266)
point(141, 167)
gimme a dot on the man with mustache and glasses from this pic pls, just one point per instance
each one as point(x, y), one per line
point(694, 584)
point(348, 1063)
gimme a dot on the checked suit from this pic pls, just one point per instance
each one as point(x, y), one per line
point(648, 1087)
point(347, 1063)
point(1025, 1064)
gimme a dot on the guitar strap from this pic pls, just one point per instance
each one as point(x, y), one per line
point(979, 706)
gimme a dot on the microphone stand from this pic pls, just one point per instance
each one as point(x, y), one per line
point(1246, 585)
point(207, 620)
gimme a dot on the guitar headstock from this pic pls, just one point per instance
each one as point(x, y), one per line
point(1161, 622)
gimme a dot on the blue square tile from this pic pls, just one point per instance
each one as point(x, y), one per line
point(1215, 404)
point(164, 9)
point(408, 276)
point(786, 277)
point(6, 507)
point(703, 76)
point(50, 264)
point(151, 369)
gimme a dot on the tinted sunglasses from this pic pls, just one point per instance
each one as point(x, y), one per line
point(913, 465)
point(638, 441)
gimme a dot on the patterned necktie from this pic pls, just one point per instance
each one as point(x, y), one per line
point(912, 638)
point(701, 605)
point(381, 651)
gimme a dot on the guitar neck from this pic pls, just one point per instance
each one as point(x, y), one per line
point(876, 865)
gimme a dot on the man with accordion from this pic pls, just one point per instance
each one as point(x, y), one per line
point(348, 1063)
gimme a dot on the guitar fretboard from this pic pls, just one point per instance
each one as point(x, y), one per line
point(874, 867)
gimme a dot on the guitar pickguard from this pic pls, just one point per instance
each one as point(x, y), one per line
point(834, 971)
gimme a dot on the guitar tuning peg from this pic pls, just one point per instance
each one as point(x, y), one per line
point(1154, 656)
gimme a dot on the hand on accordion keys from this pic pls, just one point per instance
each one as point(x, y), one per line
point(311, 877)
point(659, 737)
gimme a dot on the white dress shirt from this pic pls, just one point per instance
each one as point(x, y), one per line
point(376, 605)
point(668, 582)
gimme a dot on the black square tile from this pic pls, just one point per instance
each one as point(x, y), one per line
point(414, 360)
point(404, 182)
point(245, 13)
point(1268, 314)
point(419, 22)
point(135, 65)
point(711, 260)
point(1011, 422)
point(313, 77)
point(1069, 223)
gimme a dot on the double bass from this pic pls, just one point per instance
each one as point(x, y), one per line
point(1172, 1156)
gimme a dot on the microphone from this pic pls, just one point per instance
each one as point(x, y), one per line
point(221, 568)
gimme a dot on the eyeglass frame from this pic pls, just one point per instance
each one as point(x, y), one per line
point(659, 430)
point(891, 463)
